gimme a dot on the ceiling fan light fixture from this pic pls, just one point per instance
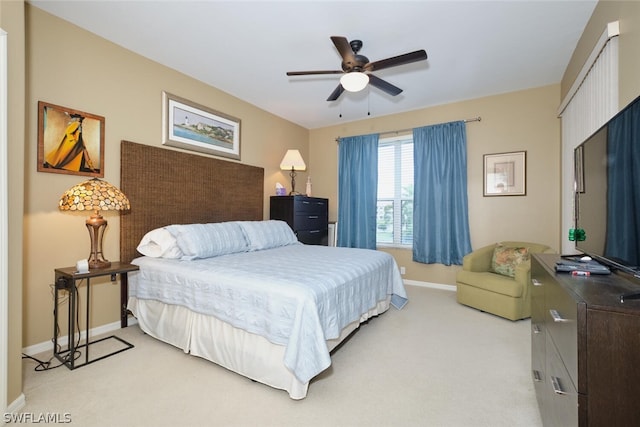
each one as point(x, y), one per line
point(354, 81)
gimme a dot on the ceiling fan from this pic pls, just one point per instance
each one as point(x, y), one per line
point(356, 69)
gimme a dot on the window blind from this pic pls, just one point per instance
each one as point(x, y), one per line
point(395, 191)
point(592, 100)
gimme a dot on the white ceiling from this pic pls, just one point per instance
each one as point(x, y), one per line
point(475, 48)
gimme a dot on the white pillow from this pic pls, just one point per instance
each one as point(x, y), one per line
point(159, 243)
point(268, 234)
point(209, 240)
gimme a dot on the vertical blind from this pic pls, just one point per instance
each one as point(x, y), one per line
point(584, 110)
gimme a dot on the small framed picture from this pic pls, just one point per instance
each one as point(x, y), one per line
point(505, 174)
point(70, 141)
point(195, 127)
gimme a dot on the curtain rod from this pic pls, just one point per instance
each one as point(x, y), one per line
point(475, 119)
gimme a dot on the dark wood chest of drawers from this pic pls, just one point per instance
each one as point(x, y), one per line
point(308, 217)
point(585, 347)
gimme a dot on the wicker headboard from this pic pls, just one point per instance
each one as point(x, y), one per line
point(169, 187)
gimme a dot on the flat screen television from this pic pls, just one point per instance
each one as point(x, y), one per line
point(607, 192)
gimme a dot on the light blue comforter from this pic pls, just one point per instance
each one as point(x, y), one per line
point(297, 296)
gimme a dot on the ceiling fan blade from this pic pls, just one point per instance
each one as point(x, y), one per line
point(384, 85)
point(407, 58)
point(343, 46)
point(336, 93)
point(306, 73)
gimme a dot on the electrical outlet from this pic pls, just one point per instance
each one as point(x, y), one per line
point(61, 283)
point(403, 270)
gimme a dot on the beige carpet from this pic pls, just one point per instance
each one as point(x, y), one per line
point(434, 363)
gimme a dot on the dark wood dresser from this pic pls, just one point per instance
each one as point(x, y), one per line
point(308, 217)
point(585, 347)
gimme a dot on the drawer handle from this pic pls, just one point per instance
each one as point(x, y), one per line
point(313, 216)
point(536, 329)
point(314, 231)
point(536, 376)
point(557, 317)
point(536, 282)
point(304, 202)
point(557, 388)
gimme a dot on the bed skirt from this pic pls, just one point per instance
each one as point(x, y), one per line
point(247, 354)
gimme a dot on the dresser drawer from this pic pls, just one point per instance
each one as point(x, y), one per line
point(310, 222)
point(311, 206)
point(538, 279)
point(313, 237)
point(538, 327)
point(561, 319)
point(538, 358)
point(562, 398)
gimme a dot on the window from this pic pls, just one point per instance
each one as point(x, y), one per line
point(394, 216)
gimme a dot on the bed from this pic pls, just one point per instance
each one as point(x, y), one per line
point(231, 287)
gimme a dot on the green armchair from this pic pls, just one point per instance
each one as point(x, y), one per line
point(480, 287)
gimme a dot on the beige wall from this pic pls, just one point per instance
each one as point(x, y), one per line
point(70, 67)
point(12, 21)
point(628, 15)
point(519, 121)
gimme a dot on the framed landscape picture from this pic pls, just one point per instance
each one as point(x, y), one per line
point(195, 127)
point(70, 141)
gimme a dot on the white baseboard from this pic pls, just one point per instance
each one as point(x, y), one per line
point(17, 404)
point(48, 345)
point(430, 285)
